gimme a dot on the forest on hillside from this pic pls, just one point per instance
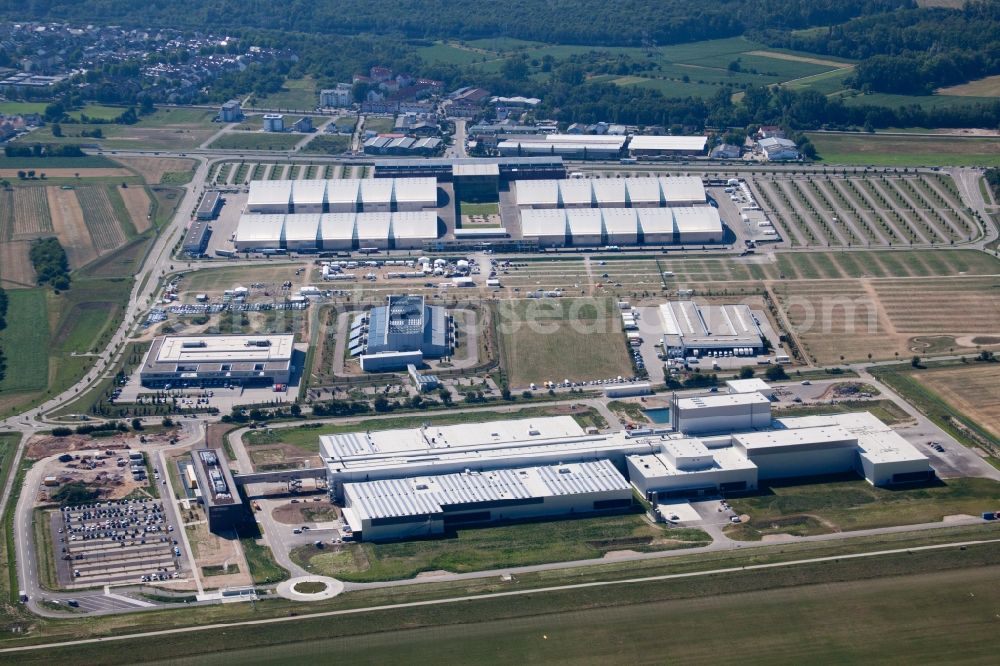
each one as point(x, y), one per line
point(592, 22)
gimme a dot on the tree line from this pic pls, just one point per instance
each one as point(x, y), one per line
point(3, 324)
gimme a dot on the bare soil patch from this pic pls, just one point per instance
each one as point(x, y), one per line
point(71, 173)
point(153, 168)
point(280, 456)
point(974, 391)
point(777, 55)
point(137, 203)
point(15, 266)
point(212, 550)
point(67, 220)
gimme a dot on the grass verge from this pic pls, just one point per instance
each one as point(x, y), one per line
point(496, 547)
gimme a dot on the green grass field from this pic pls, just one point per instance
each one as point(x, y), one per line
point(48, 330)
point(802, 508)
point(25, 341)
point(18, 108)
point(295, 94)
point(911, 150)
point(467, 208)
point(885, 410)
point(263, 568)
point(920, 607)
point(380, 124)
point(8, 446)
point(328, 144)
point(98, 112)
point(477, 549)
point(564, 338)
point(256, 141)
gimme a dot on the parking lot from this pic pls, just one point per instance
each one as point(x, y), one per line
point(124, 541)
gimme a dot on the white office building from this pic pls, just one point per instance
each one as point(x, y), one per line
point(720, 412)
point(174, 361)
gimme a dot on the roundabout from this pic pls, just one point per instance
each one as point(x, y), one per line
point(310, 588)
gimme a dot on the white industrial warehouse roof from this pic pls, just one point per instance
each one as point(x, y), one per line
point(607, 139)
point(643, 190)
point(308, 192)
point(783, 439)
point(747, 385)
point(663, 142)
point(609, 191)
point(683, 189)
point(413, 440)
point(656, 220)
point(877, 442)
point(376, 190)
point(697, 219)
point(722, 400)
point(417, 190)
point(421, 495)
point(373, 226)
point(302, 227)
point(620, 220)
point(584, 221)
point(654, 465)
point(342, 191)
point(695, 324)
point(260, 228)
point(543, 222)
point(537, 192)
point(415, 224)
point(337, 226)
point(575, 192)
point(269, 193)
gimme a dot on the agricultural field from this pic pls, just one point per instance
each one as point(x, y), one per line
point(25, 342)
point(907, 151)
point(256, 141)
point(697, 69)
point(866, 211)
point(160, 170)
point(164, 129)
point(566, 338)
point(50, 331)
point(100, 216)
point(889, 318)
point(985, 87)
point(973, 391)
